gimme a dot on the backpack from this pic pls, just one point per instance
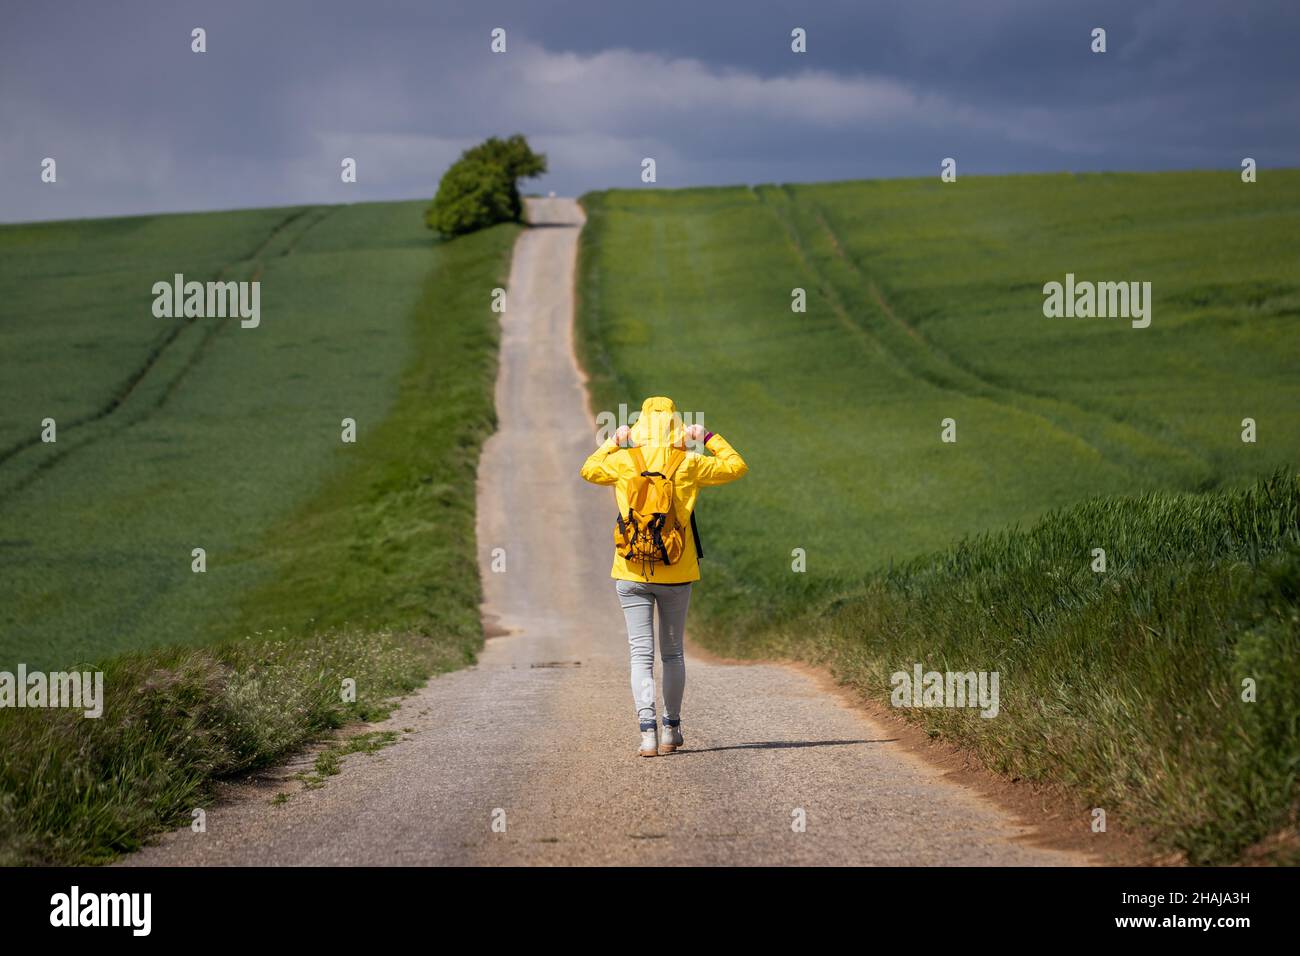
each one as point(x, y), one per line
point(651, 532)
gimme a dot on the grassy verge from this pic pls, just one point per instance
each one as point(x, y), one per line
point(374, 580)
point(925, 304)
point(1165, 690)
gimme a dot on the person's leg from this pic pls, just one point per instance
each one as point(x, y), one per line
point(673, 602)
point(638, 608)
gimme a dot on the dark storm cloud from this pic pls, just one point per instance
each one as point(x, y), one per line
point(138, 123)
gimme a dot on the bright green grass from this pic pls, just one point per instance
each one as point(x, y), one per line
point(326, 561)
point(925, 303)
point(1125, 688)
point(223, 433)
point(75, 321)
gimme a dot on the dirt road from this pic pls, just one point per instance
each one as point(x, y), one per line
point(528, 757)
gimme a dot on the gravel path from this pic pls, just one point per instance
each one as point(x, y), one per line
point(540, 736)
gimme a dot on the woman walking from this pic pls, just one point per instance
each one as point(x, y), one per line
point(656, 550)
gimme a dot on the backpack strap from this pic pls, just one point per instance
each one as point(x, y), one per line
point(674, 462)
point(638, 458)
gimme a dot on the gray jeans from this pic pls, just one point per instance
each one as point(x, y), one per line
point(639, 602)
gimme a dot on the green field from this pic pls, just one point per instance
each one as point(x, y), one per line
point(328, 560)
point(177, 434)
point(325, 560)
point(925, 302)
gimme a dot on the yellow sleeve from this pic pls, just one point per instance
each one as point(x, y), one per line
point(725, 465)
point(598, 469)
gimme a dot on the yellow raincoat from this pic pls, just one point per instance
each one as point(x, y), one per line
point(657, 431)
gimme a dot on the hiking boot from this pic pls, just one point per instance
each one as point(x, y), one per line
point(671, 738)
point(649, 745)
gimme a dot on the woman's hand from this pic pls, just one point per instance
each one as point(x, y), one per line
point(622, 437)
point(695, 433)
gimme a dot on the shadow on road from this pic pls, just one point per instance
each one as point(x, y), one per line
point(781, 745)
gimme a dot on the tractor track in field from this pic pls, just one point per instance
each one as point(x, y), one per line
point(157, 352)
point(936, 367)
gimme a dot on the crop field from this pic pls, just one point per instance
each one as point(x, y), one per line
point(1126, 683)
point(925, 303)
point(175, 433)
point(326, 561)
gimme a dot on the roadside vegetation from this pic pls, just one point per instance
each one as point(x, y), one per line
point(924, 303)
point(1164, 690)
point(328, 562)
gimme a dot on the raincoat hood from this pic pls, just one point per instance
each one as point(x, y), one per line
point(660, 424)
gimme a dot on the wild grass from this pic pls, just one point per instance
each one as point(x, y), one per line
point(1164, 690)
point(364, 567)
point(78, 790)
point(924, 302)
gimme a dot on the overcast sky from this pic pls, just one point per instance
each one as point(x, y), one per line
point(710, 88)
